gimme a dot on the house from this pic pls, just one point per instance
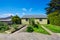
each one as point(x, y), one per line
point(42, 19)
point(6, 20)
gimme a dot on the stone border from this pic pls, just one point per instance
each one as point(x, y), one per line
point(50, 32)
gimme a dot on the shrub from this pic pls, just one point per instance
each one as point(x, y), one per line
point(14, 26)
point(16, 20)
point(30, 29)
point(54, 18)
point(31, 21)
point(3, 28)
point(3, 24)
point(36, 25)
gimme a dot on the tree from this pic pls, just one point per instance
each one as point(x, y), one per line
point(53, 6)
point(16, 20)
point(32, 21)
point(54, 18)
point(53, 12)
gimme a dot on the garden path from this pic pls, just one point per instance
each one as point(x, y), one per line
point(27, 36)
point(18, 35)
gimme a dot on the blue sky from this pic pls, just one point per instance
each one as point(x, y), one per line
point(22, 7)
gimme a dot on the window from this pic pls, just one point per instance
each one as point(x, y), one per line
point(40, 19)
point(26, 19)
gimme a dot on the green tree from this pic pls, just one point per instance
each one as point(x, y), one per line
point(53, 11)
point(32, 21)
point(53, 6)
point(16, 20)
point(54, 18)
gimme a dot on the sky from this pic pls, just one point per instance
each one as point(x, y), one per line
point(22, 7)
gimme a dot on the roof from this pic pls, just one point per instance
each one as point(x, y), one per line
point(6, 18)
point(34, 16)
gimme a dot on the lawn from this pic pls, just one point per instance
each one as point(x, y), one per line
point(53, 28)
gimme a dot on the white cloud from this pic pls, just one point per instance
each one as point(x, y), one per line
point(17, 13)
point(23, 13)
point(27, 10)
point(24, 9)
point(6, 15)
point(30, 9)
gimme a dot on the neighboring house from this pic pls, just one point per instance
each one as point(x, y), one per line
point(42, 19)
point(6, 20)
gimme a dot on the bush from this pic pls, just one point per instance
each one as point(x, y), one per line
point(54, 18)
point(36, 25)
point(3, 27)
point(16, 20)
point(14, 26)
point(3, 24)
point(31, 21)
point(30, 29)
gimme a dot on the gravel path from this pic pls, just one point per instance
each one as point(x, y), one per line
point(18, 35)
point(28, 36)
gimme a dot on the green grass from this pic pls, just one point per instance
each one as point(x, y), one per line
point(40, 30)
point(53, 28)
